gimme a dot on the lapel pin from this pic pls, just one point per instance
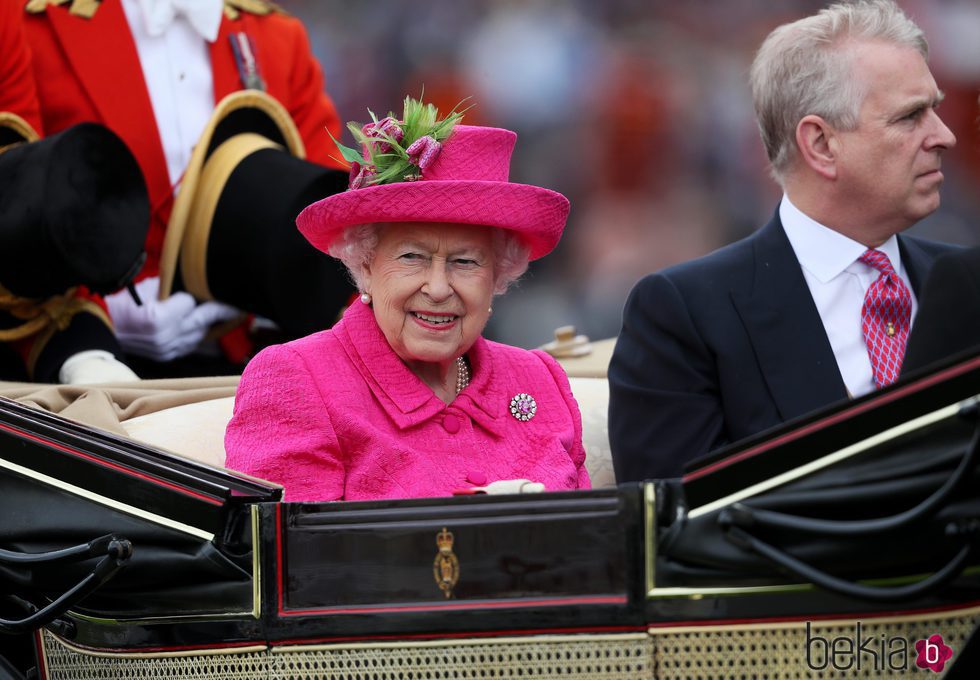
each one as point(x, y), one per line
point(523, 407)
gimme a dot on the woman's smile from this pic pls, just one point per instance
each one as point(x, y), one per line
point(435, 321)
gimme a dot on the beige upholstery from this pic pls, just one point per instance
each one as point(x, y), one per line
point(587, 376)
point(592, 395)
point(188, 416)
point(193, 430)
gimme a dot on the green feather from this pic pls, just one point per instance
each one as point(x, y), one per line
point(392, 165)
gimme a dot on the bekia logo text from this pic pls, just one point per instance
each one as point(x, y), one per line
point(879, 653)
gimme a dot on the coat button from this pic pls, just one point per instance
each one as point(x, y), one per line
point(451, 423)
point(476, 478)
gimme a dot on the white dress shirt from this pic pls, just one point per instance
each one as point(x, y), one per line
point(838, 283)
point(172, 39)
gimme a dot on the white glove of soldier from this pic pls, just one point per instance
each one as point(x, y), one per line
point(163, 329)
point(94, 366)
point(506, 486)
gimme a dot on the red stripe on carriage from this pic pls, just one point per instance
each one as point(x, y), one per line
point(942, 376)
point(114, 466)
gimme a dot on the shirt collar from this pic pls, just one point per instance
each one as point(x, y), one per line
point(404, 397)
point(204, 16)
point(823, 252)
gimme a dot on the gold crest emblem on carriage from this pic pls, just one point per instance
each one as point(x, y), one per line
point(445, 568)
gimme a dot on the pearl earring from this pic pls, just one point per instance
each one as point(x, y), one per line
point(490, 311)
point(365, 298)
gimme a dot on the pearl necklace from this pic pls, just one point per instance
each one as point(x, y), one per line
point(462, 374)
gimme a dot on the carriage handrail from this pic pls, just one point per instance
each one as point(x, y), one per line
point(744, 516)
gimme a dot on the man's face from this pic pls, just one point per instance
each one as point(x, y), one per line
point(889, 165)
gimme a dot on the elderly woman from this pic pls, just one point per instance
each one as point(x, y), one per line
point(403, 397)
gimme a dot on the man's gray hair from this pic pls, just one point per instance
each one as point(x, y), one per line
point(804, 68)
point(356, 246)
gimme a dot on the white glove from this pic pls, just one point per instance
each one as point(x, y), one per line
point(163, 329)
point(506, 486)
point(94, 366)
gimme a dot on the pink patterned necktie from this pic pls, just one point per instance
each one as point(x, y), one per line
point(885, 318)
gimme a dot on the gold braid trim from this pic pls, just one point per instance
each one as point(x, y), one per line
point(53, 314)
point(80, 8)
point(87, 8)
point(11, 122)
point(78, 306)
point(44, 318)
point(234, 8)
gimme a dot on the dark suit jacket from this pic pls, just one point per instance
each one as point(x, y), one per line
point(720, 348)
point(948, 321)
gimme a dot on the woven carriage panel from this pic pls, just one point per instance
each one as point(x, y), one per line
point(776, 652)
point(65, 662)
point(593, 657)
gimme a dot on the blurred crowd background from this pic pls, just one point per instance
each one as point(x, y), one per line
point(637, 110)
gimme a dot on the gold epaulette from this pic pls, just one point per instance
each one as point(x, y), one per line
point(233, 8)
point(87, 8)
point(80, 8)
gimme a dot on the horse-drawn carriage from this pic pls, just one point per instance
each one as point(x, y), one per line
point(839, 543)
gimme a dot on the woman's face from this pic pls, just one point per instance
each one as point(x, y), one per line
point(432, 285)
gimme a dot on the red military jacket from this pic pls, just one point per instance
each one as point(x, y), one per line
point(88, 69)
point(17, 93)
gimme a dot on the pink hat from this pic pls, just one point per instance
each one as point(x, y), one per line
point(465, 184)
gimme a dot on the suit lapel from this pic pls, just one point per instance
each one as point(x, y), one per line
point(785, 329)
point(102, 53)
point(916, 261)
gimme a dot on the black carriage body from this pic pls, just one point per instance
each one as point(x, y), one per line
point(220, 563)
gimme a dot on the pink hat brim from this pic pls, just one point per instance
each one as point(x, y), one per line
point(535, 214)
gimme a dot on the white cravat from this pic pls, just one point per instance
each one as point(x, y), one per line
point(171, 39)
point(837, 283)
point(203, 15)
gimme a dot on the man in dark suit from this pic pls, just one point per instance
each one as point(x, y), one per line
point(948, 323)
point(817, 305)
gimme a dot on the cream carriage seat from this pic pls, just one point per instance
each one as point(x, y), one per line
point(586, 364)
point(188, 416)
point(195, 430)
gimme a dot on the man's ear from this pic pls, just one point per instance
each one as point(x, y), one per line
point(818, 145)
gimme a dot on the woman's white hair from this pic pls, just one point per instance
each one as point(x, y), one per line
point(356, 246)
point(804, 68)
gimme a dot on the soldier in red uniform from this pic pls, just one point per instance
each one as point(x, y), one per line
point(17, 92)
point(52, 329)
point(152, 71)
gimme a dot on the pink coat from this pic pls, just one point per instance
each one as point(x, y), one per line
point(338, 416)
